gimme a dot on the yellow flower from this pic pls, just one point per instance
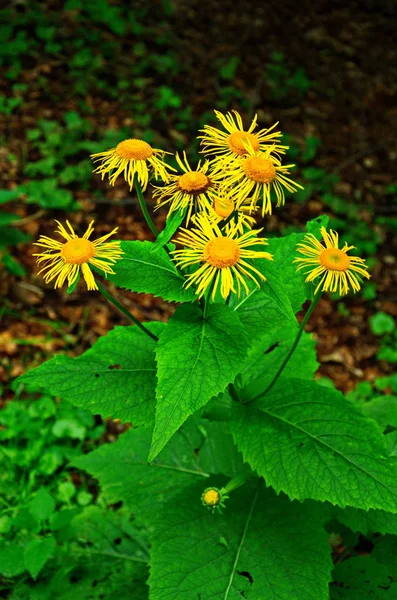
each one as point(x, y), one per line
point(223, 205)
point(63, 260)
point(211, 497)
point(222, 255)
point(132, 157)
point(333, 265)
point(187, 190)
point(257, 174)
point(234, 141)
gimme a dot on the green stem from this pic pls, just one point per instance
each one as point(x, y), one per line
point(125, 312)
point(144, 209)
point(235, 483)
point(293, 348)
point(223, 223)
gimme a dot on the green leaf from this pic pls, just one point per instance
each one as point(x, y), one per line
point(11, 560)
point(114, 378)
point(362, 577)
point(124, 473)
point(37, 553)
point(143, 269)
point(309, 442)
point(7, 218)
point(275, 289)
point(97, 530)
point(74, 285)
point(383, 409)
point(42, 505)
point(9, 195)
point(267, 355)
point(315, 225)
point(199, 449)
point(367, 522)
point(284, 251)
point(385, 553)
point(197, 357)
point(382, 323)
point(261, 547)
point(105, 556)
point(174, 221)
point(217, 452)
point(258, 313)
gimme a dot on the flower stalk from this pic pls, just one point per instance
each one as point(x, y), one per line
point(312, 306)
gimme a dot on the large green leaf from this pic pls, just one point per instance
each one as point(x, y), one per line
point(37, 553)
point(146, 268)
point(266, 356)
point(114, 378)
point(197, 357)
point(367, 522)
point(309, 442)
point(106, 556)
point(261, 547)
point(362, 577)
point(199, 449)
point(383, 409)
point(258, 312)
point(265, 309)
point(284, 252)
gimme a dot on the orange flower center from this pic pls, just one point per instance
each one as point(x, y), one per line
point(193, 182)
point(77, 251)
point(334, 259)
point(259, 169)
point(237, 142)
point(223, 207)
point(134, 150)
point(222, 252)
point(211, 497)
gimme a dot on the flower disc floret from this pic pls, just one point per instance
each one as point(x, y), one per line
point(336, 269)
point(194, 182)
point(259, 169)
point(334, 259)
point(222, 252)
point(77, 251)
point(64, 260)
point(134, 149)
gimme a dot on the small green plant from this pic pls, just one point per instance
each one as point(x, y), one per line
point(57, 534)
point(285, 83)
point(9, 235)
point(384, 326)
